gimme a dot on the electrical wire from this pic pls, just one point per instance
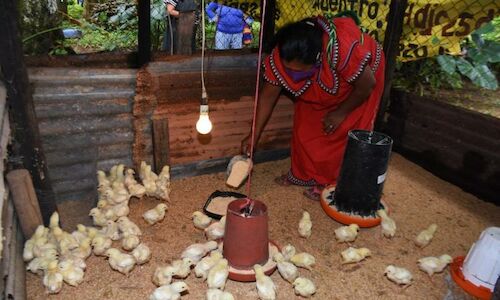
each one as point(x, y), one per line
point(204, 96)
point(256, 99)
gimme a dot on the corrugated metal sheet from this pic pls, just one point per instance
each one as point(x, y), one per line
point(85, 120)
point(460, 145)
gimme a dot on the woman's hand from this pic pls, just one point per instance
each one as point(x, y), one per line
point(245, 145)
point(332, 120)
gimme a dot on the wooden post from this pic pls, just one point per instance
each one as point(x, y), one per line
point(391, 48)
point(269, 24)
point(25, 201)
point(26, 147)
point(184, 44)
point(144, 33)
point(161, 141)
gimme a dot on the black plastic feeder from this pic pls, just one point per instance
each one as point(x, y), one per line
point(362, 174)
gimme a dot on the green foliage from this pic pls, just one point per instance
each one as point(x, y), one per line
point(75, 11)
point(481, 51)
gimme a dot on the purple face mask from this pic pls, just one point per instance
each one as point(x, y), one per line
point(302, 75)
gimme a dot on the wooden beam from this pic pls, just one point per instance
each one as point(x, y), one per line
point(185, 29)
point(161, 142)
point(144, 33)
point(269, 24)
point(393, 33)
point(25, 201)
point(26, 149)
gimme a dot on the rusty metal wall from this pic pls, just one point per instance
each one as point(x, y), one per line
point(173, 89)
point(85, 120)
point(459, 145)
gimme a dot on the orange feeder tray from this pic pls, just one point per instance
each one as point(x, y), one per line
point(345, 218)
point(480, 292)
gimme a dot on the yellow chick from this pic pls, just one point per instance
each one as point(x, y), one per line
point(287, 270)
point(39, 238)
point(304, 287)
point(146, 173)
point(112, 173)
point(196, 251)
point(111, 230)
point(98, 217)
point(169, 292)
point(156, 214)
point(353, 255)
point(119, 261)
point(205, 264)
point(102, 180)
point(142, 254)
point(216, 230)
point(425, 236)
point(216, 294)
point(305, 225)
point(80, 233)
point(118, 194)
point(163, 275)
point(53, 279)
point(84, 250)
point(129, 178)
point(121, 209)
point(54, 220)
point(265, 285)
point(126, 226)
point(119, 173)
point(200, 220)
point(432, 265)
point(77, 262)
point(288, 251)
point(303, 260)
point(217, 275)
point(163, 184)
point(130, 241)
point(136, 190)
point(388, 224)
point(64, 240)
point(398, 275)
point(100, 244)
point(347, 233)
point(182, 267)
point(71, 274)
point(41, 263)
point(92, 232)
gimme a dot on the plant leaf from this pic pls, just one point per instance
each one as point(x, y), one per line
point(447, 63)
point(485, 78)
point(467, 69)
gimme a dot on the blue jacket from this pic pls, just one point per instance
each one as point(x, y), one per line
point(229, 19)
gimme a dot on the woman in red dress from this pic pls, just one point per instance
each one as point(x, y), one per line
point(335, 74)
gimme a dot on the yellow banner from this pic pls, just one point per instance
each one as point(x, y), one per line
point(431, 27)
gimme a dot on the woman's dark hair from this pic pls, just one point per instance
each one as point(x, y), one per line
point(300, 41)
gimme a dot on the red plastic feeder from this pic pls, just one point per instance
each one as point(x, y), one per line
point(344, 218)
point(246, 240)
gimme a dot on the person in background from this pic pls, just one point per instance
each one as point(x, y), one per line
point(174, 9)
point(335, 74)
point(229, 25)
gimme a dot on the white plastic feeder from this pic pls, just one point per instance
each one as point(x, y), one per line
point(481, 267)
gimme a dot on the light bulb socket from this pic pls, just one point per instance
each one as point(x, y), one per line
point(203, 109)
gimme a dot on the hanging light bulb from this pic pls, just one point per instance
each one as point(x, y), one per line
point(204, 126)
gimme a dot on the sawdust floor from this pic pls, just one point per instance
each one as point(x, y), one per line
point(416, 199)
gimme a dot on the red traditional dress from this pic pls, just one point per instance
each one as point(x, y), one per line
point(317, 157)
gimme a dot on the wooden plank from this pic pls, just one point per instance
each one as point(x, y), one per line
point(185, 28)
point(144, 33)
point(161, 142)
point(25, 200)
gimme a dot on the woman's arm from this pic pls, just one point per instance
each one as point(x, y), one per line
point(268, 98)
point(171, 10)
point(361, 90)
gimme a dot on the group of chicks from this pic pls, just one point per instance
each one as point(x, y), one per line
point(61, 255)
point(399, 275)
point(210, 265)
point(207, 261)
